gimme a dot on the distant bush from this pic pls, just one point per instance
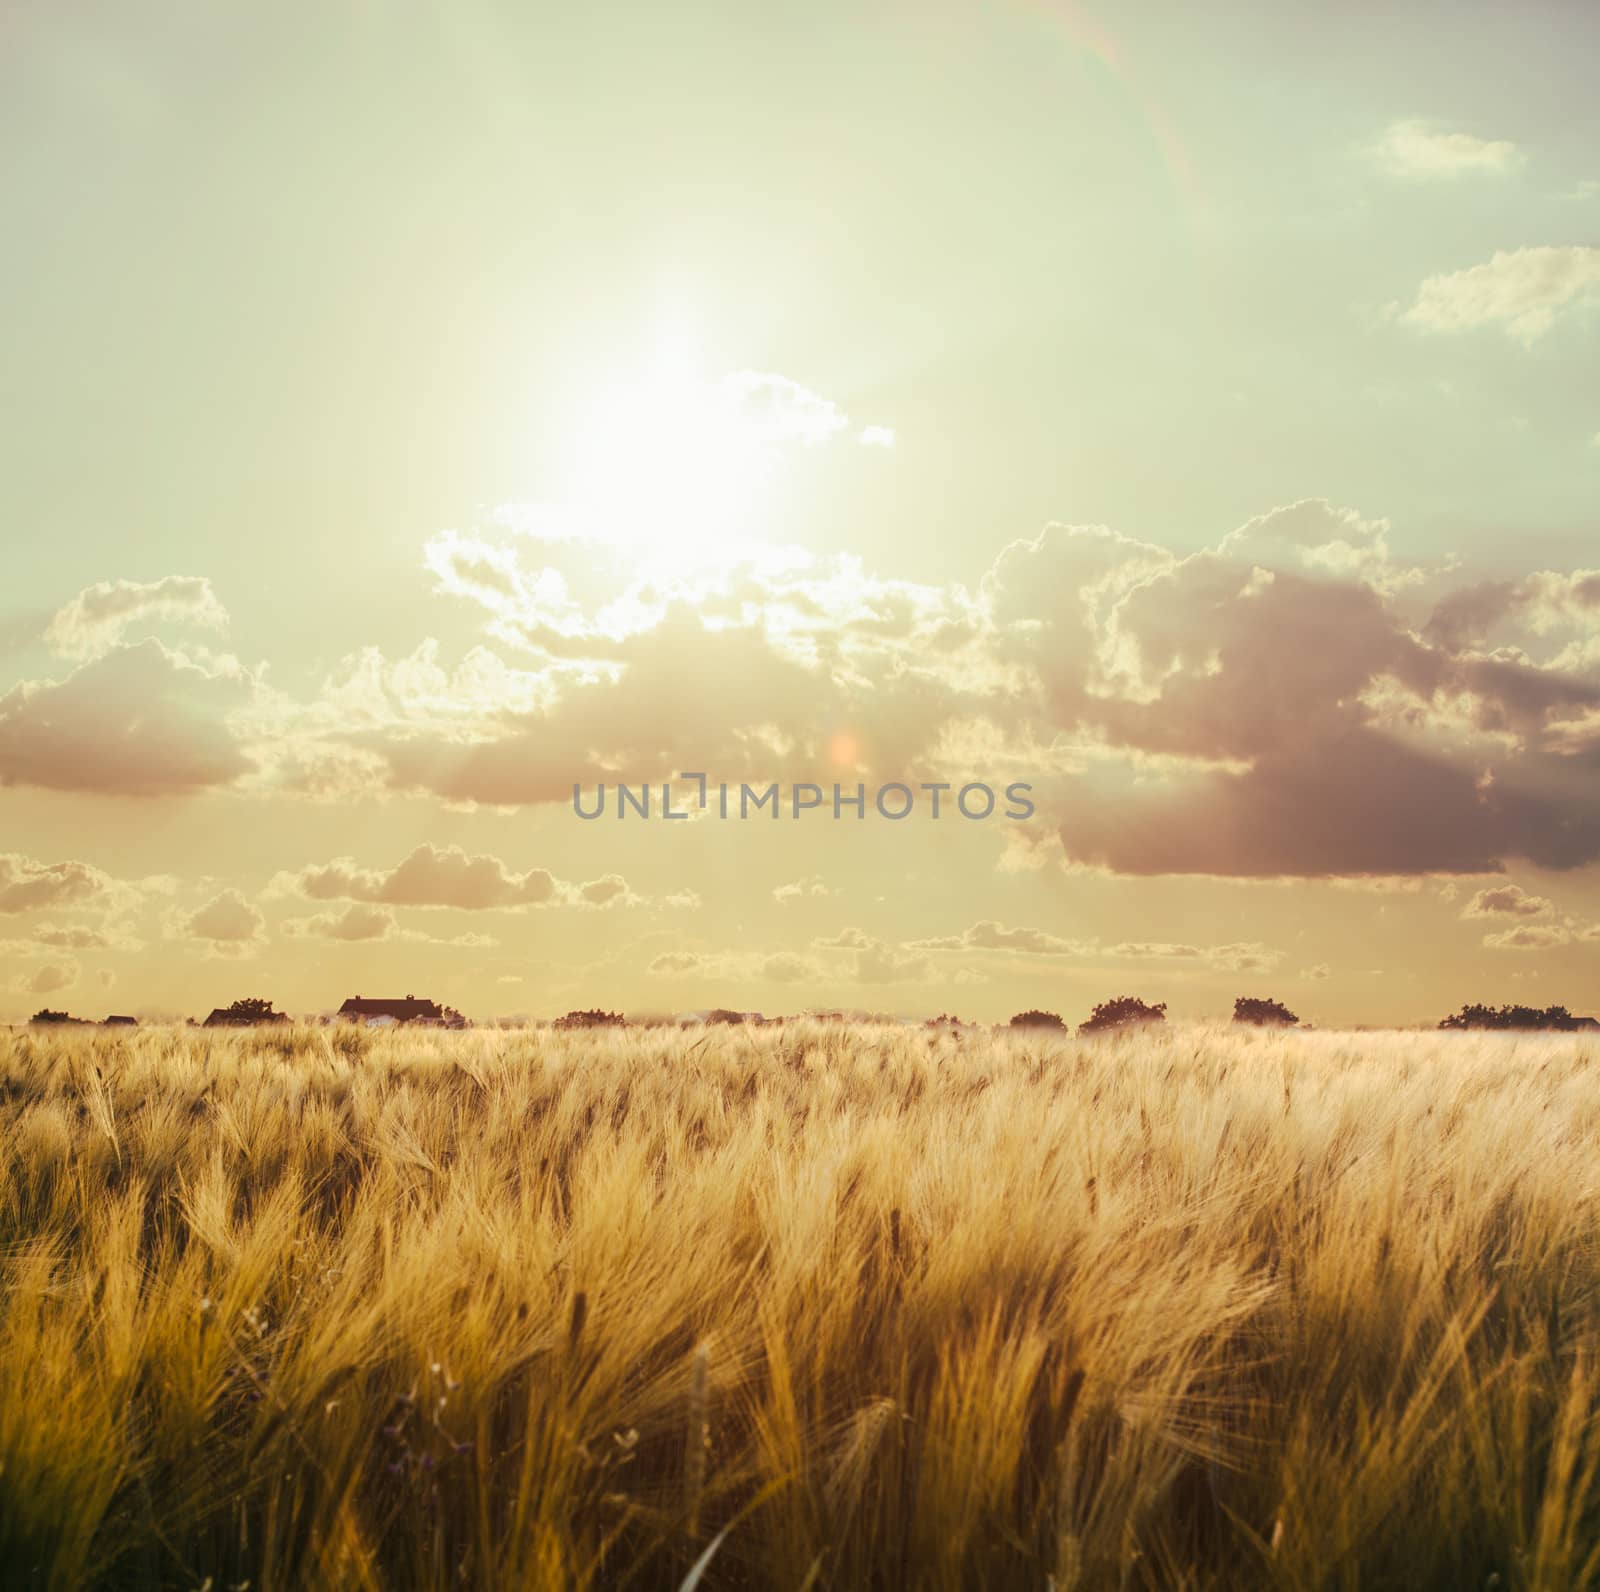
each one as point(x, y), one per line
point(1513, 1017)
point(722, 1015)
point(48, 1016)
point(254, 1007)
point(1263, 1013)
point(1121, 1012)
point(946, 1020)
point(591, 1019)
point(1037, 1020)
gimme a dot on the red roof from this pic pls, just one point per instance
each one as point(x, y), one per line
point(401, 1010)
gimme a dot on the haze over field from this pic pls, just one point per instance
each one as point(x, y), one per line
point(413, 412)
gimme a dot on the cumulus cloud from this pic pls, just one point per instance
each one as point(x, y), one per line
point(227, 925)
point(799, 889)
point(94, 621)
point(1297, 727)
point(741, 967)
point(136, 721)
point(48, 979)
point(27, 884)
point(361, 921)
point(1269, 706)
point(671, 964)
point(76, 937)
point(1423, 149)
point(991, 936)
point(1240, 957)
point(1507, 901)
point(1521, 290)
point(1532, 922)
point(777, 409)
point(1529, 937)
point(452, 877)
point(788, 967)
point(1280, 703)
point(871, 960)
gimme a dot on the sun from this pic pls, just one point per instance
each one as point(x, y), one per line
point(680, 460)
point(669, 462)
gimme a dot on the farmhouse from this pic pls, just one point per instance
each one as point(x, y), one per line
point(118, 1020)
point(390, 1013)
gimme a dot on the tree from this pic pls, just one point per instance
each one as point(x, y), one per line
point(1037, 1020)
point(1263, 1013)
point(1476, 1016)
point(253, 1008)
point(1120, 1013)
point(45, 1015)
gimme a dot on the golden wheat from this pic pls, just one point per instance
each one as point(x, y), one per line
point(799, 1307)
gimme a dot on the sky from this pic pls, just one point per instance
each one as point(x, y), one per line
point(412, 412)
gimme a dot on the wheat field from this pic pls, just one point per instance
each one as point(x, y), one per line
point(799, 1307)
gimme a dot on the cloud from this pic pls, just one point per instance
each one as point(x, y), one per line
point(606, 891)
point(1236, 958)
point(749, 670)
point(1522, 290)
point(93, 622)
point(1279, 703)
point(671, 964)
point(776, 409)
point(1422, 149)
point(51, 977)
point(798, 889)
point(876, 436)
point(742, 967)
point(136, 721)
point(227, 925)
point(851, 956)
point(874, 961)
point(1577, 737)
point(26, 884)
point(1507, 901)
point(1292, 728)
point(1318, 972)
point(361, 922)
point(788, 967)
point(991, 936)
point(74, 937)
point(1528, 937)
point(451, 877)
